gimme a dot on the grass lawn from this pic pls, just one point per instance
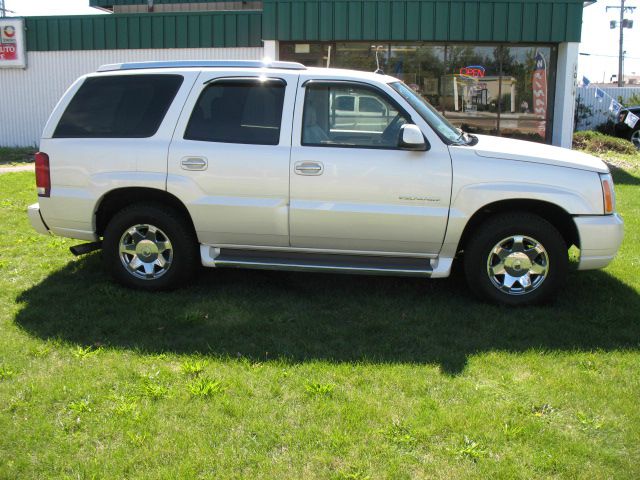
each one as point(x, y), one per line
point(255, 374)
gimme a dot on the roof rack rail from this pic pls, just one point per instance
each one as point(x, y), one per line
point(202, 64)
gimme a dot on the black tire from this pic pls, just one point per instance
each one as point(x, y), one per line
point(480, 256)
point(634, 137)
point(182, 258)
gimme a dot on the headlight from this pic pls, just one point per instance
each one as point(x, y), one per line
point(608, 193)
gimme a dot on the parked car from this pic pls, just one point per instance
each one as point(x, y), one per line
point(623, 130)
point(165, 165)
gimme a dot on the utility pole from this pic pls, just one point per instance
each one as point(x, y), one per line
point(2, 9)
point(622, 24)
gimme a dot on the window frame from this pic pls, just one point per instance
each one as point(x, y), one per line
point(237, 79)
point(352, 83)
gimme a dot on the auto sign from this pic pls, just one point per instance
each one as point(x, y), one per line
point(12, 43)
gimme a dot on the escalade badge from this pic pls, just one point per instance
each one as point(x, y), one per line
point(418, 199)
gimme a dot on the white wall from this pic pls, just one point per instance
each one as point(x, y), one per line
point(566, 84)
point(600, 112)
point(27, 97)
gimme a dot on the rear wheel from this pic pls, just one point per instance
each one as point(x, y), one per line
point(516, 259)
point(150, 247)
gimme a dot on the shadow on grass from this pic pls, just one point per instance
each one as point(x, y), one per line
point(298, 317)
point(622, 177)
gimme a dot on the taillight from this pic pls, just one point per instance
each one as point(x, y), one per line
point(43, 176)
point(608, 194)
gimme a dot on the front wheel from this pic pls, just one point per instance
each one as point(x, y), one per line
point(150, 247)
point(516, 259)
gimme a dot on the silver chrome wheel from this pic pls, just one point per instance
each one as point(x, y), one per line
point(518, 265)
point(635, 138)
point(145, 252)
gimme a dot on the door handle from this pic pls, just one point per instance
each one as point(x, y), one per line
point(194, 163)
point(309, 168)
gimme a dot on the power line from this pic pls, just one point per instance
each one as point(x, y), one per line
point(622, 24)
point(608, 56)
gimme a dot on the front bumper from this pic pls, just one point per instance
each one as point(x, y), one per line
point(600, 239)
point(37, 222)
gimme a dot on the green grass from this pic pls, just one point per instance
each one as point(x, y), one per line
point(255, 374)
point(10, 156)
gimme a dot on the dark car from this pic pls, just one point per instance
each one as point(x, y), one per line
point(625, 131)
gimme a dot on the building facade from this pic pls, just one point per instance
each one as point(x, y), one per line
point(498, 67)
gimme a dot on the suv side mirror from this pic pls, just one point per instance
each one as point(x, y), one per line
point(411, 138)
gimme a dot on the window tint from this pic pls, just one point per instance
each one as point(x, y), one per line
point(375, 124)
point(238, 111)
point(127, 106)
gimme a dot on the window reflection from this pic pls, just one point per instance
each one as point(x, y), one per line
point(489, 89)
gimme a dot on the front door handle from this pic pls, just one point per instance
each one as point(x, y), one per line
point(194, 163)
point(309, 168)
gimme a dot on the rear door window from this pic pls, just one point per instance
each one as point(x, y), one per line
point(119, 106)
point(247, 111)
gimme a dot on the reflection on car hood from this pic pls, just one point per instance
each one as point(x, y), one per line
point(510, 149)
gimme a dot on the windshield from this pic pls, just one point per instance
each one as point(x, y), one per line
point(428, 113)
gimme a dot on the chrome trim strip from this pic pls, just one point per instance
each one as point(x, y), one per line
point(323, 250)
point(325, 268)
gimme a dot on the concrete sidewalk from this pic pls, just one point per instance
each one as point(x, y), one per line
point(30, 167)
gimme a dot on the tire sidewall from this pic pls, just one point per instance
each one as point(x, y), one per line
point(504, 226)
point(179, 234)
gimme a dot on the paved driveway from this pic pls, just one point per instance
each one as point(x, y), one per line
point(20, 168)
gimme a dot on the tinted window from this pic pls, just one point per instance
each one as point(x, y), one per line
point(376, 124)
point(128, 106)
point(233, 111)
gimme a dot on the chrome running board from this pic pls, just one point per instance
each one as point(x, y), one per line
point(331, 263)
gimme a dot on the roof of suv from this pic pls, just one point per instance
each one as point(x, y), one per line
point(240, 64)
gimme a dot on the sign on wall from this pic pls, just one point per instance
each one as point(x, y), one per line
point(540, 93)
point(12, 51)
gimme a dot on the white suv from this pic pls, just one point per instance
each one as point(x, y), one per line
point(165, 165)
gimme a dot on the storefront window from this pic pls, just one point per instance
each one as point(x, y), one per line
point(488, 89)
point(309, 54)
point(526, 106)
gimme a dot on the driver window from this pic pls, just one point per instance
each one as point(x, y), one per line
point(350, 116)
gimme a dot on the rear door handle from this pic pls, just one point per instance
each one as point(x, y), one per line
point(308, 168)
point(194, 163)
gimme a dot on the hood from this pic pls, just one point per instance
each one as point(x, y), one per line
point(520, 150)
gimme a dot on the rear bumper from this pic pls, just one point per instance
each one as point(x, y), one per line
point(37, 222)
point(600, 240)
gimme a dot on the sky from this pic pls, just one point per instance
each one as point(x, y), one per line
point(597, 38)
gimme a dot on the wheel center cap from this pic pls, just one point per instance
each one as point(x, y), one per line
point(146, 249)
point(517, 264)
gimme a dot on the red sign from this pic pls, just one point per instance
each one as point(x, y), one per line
point(474, 71)
point(540, 93)
point(8, 51)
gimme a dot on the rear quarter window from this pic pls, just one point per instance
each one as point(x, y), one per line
point(123, 106)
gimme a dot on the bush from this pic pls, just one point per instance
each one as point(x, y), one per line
point(596, 142)
point(608, 128)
